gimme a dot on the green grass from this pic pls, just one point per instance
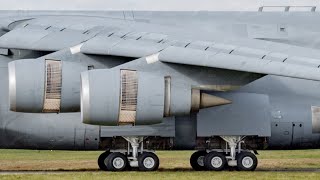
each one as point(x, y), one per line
point(171, 175)
point(302, 164)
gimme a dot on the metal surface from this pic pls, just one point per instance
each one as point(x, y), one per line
point(200, 160)
point(247, 162)
point(118, 163)
point(281, 134)
point(247, 115)
point(167, 98)
point(216, 162)
point(148, 162)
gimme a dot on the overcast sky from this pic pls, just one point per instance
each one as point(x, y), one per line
point(146, 4)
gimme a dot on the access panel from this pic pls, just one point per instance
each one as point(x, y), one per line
point(281, 134)
point(298, 134)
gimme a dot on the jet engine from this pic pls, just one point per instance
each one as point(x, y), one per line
point(44, 86)
point(129, 97)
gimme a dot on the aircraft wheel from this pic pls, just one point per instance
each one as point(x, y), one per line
point(246, 161)
point(148, 161)
point(116, 162)
point(197, 160)
point(102, 160)
point(215, 161)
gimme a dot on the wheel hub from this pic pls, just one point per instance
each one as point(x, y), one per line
point(148, 162)
point(118, 163)
point(216, 162)
point(247, 162)
point(200, 161)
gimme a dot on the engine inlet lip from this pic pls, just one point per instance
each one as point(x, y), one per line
point(12, 86)
point(85, 97)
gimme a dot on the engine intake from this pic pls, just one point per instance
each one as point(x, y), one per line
point(44, 86)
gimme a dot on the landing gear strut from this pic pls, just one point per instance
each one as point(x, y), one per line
point(219, 159)
point(135, 157)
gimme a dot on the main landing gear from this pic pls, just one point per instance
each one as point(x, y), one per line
point(220, 159)
point(134, 157)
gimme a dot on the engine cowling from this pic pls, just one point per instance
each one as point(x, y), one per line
point(122, 97)
point(44, 86)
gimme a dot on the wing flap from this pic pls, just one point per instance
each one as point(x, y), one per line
point(43, 39)
point(22, 38)
point(115, 46)
point(239, 63)
point(60, 40)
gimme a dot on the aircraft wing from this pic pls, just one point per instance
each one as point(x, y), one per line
point(119, 41)
point(208, 54)
point(235, 62)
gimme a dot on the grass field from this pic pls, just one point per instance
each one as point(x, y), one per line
point(174, 165)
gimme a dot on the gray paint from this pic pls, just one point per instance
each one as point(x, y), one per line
point(23, 37)
point(186, 132)
point(165, 129)
point(29, 85)
point(40, 131)
point(103, 97)
point(150, 100)
point(249, 114)
point(282, 92)
point(118, 47)
point(180, 101)
point(239, 63)
point(70, 92)
point(72, 66)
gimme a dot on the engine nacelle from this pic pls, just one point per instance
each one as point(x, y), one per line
point(122, 97)
point(44, 86)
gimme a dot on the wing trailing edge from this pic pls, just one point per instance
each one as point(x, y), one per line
point(238, 63)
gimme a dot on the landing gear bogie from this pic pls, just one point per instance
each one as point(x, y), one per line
point(232, 157)
point(135, 157)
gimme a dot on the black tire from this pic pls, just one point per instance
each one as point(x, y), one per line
point(102, 160)
point(194, 160)
point(219, 158)
point(152, 158)
point(246, 161)
point(113, 158)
